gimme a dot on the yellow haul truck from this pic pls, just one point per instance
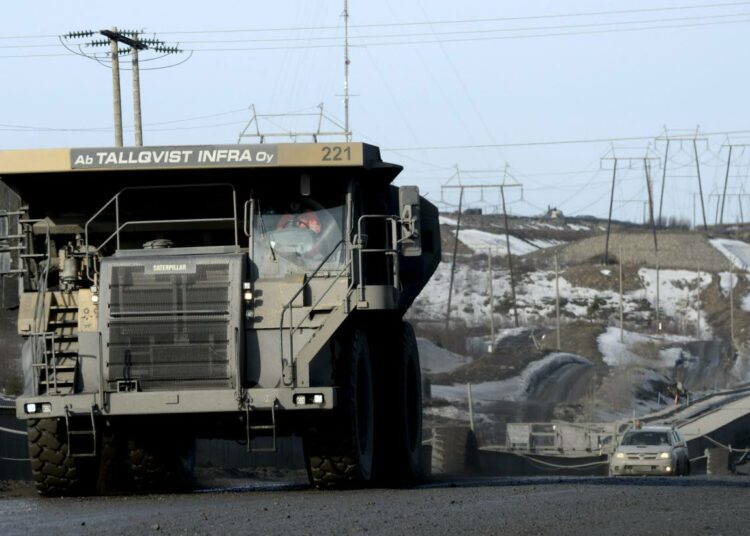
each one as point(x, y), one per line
point(239, 291)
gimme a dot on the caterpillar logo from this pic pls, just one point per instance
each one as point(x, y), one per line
point(170, 268)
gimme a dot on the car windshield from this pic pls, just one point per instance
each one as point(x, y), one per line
point(645, 437)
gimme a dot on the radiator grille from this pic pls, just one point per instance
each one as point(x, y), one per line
point(170, 330)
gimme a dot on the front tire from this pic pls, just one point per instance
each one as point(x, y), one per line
point(339, 450)
point(399, 415)
point(55, 472)
point(161, 463)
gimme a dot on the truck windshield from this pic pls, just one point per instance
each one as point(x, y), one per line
point(296, 237)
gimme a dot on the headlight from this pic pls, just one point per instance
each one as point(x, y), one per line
point(33, 407)
point(619, 455)
point(665, 455)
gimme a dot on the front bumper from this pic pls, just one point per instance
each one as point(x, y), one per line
point(174, 402)
point(641, 467)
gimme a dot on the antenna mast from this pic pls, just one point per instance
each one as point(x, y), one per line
point(346, 71)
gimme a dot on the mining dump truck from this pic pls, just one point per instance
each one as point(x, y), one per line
point(243, 292)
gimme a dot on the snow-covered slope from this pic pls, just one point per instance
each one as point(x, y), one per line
point(512, 389)
point(434, 359)
point(736, 251)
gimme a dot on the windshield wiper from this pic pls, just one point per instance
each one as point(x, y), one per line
point(264, 232)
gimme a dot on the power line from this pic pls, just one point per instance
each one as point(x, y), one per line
point(700, 22)
point(432, 34)
point(548, 142)
point(469, 21)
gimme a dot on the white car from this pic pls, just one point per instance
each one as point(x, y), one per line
point(651, 450)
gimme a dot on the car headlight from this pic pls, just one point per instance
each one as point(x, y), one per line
point(664, 455)
point(619, 455)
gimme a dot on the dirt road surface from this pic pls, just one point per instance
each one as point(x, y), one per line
point(527, 506)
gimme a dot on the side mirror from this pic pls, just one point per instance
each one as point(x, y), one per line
point(408, 202)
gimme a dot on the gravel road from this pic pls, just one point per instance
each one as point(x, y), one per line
point(559, 506)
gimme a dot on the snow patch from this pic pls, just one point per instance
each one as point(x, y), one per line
point(442, 220)
point(616, 353)
point(543, 244)
point(678, 292)
point(481, 241)
point(737, 251)
point(434, 359)
point(509, 332)
point(724, 281)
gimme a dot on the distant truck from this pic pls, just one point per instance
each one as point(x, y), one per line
point(244, 291)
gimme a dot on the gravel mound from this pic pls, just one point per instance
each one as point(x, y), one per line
point(687, 251)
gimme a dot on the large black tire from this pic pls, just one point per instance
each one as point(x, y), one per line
point(399, 408)
point(55, 472)
point(114, 469)
point(161, 463)
point(339, 449)
point(454, 451)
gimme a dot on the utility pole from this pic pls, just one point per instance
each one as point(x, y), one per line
point(700, 183)
point(609, 218)
point(720, 199)
point(630, 160)
point(137, 96)
point(253, 127)
point(720, 218)
point(694, 138)
point(622, 336)
point(726, 180)
point(492, 303)
point(131, 39)
point(116, 97)
point(461, 188)
point(346, 72)
point(510, 258)
point(663, 181)
point(698, 302)
point(135, 45)
point(647, 169)
point(557, 300)
point(453, 261)
point(731, 304)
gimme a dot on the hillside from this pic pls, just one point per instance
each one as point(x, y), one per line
point(601, 371)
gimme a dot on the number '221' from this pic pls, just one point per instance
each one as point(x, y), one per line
point(336, 153)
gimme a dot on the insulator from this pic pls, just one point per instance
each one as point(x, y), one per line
point(85, 33)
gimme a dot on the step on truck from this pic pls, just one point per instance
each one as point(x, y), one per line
point(244, 292)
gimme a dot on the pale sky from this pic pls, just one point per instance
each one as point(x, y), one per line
point(428, 79)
